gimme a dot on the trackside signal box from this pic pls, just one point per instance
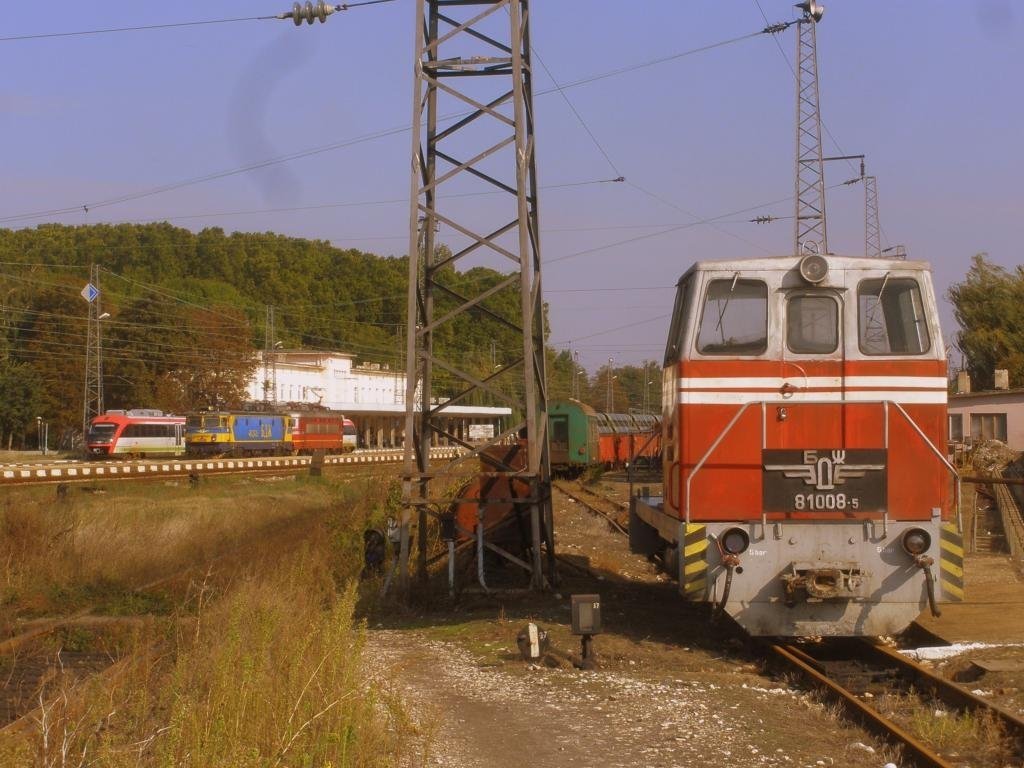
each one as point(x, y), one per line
point(586, 614)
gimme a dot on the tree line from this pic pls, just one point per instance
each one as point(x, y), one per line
point(186, 315)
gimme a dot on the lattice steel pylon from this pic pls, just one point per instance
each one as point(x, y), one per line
point(810, 231)
point(872, 229)
point(269, 359)
point(473, 58)
point(93, 399)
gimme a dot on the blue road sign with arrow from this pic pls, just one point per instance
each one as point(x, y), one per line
point(90, 292)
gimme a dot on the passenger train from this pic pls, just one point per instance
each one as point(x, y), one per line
point(254, 433)
point(581, 437)
point(806, 486)
point(136, 433)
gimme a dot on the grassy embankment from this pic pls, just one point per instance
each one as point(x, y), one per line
point(249, 656)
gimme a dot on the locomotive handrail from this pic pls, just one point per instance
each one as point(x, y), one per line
point(764, 436)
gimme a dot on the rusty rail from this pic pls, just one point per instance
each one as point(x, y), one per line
point(922, 756)
point(1013, 524)
point(579, 499)
point(923, 680)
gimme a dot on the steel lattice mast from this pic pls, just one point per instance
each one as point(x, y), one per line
point(811, 233)
point(473, 60)
point(872, 229)
point(93, 400)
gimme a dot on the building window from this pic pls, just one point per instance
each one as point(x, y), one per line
point(988, 426)
point(956, 427)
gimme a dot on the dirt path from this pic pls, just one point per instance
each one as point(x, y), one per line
point(670, 690)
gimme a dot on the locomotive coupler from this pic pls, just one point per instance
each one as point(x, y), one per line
point(816, 582)
point(925, 563)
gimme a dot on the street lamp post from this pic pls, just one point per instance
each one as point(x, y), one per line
point(647, 387)
point(608, 394)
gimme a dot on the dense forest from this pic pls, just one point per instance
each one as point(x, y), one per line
point(186, 314)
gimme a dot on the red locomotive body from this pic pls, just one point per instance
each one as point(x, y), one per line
point(322, 431)
point(804, 415)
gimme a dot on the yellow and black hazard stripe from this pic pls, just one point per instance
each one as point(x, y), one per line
point(695, 562)
point(951, 562)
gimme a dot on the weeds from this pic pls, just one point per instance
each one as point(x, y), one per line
point(258, 663)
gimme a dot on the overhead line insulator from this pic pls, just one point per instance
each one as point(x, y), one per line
point(309, 12)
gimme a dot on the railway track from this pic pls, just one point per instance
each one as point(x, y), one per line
point(150, 469)
point(611, 510)
point(855, 672)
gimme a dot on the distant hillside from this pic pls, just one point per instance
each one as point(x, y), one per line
point(188, 309)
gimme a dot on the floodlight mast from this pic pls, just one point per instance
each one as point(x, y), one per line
point(810, 229)
point(497, 89)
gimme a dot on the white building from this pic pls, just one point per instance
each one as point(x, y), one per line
point(372, 395)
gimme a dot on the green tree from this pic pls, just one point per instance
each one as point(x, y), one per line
point(20, 402)
point(989, 306)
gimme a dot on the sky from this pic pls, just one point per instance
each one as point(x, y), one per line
point(929, 92)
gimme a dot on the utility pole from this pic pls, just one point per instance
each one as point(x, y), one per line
point(608, 401)
point(269, 359)
point(93, 400)
point(647, 387)
point(810, 230)
point(473, 57)
point(576, 375)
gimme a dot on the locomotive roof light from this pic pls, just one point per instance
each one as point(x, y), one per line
point(916, 541)
point(734, 541)
point(813, 268)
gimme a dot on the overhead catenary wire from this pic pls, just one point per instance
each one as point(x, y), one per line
point(341, 144)
point(168, 25)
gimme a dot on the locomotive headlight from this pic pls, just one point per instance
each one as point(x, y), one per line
point(916, 541)
point(735, 541)
point(813, 268)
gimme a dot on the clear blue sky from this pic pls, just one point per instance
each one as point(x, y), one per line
point(930, 92)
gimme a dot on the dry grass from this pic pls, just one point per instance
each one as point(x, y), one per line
point(260, 662)
point(978, 735)
point(56, 556)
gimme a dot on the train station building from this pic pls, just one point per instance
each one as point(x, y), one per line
point(371, 394)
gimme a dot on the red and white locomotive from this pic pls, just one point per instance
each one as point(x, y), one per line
point(806, 485)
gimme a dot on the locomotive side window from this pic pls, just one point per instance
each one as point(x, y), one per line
point(735, 318)
point(891, 317)
point(812, 324)
point(680, 320)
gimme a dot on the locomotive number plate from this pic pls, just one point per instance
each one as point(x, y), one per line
point(824, 480)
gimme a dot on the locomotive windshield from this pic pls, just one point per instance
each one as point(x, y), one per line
point(812, 324)
point(101, 433)
point(735, 318)
point(891, 317)
point(203, 422)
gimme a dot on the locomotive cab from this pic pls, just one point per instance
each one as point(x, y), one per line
point(806, 489)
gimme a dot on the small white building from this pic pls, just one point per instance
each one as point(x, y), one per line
point(992, 415)
point(371, 394)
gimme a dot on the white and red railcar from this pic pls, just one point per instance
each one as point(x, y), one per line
point(806, 486)
point(136, 433)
